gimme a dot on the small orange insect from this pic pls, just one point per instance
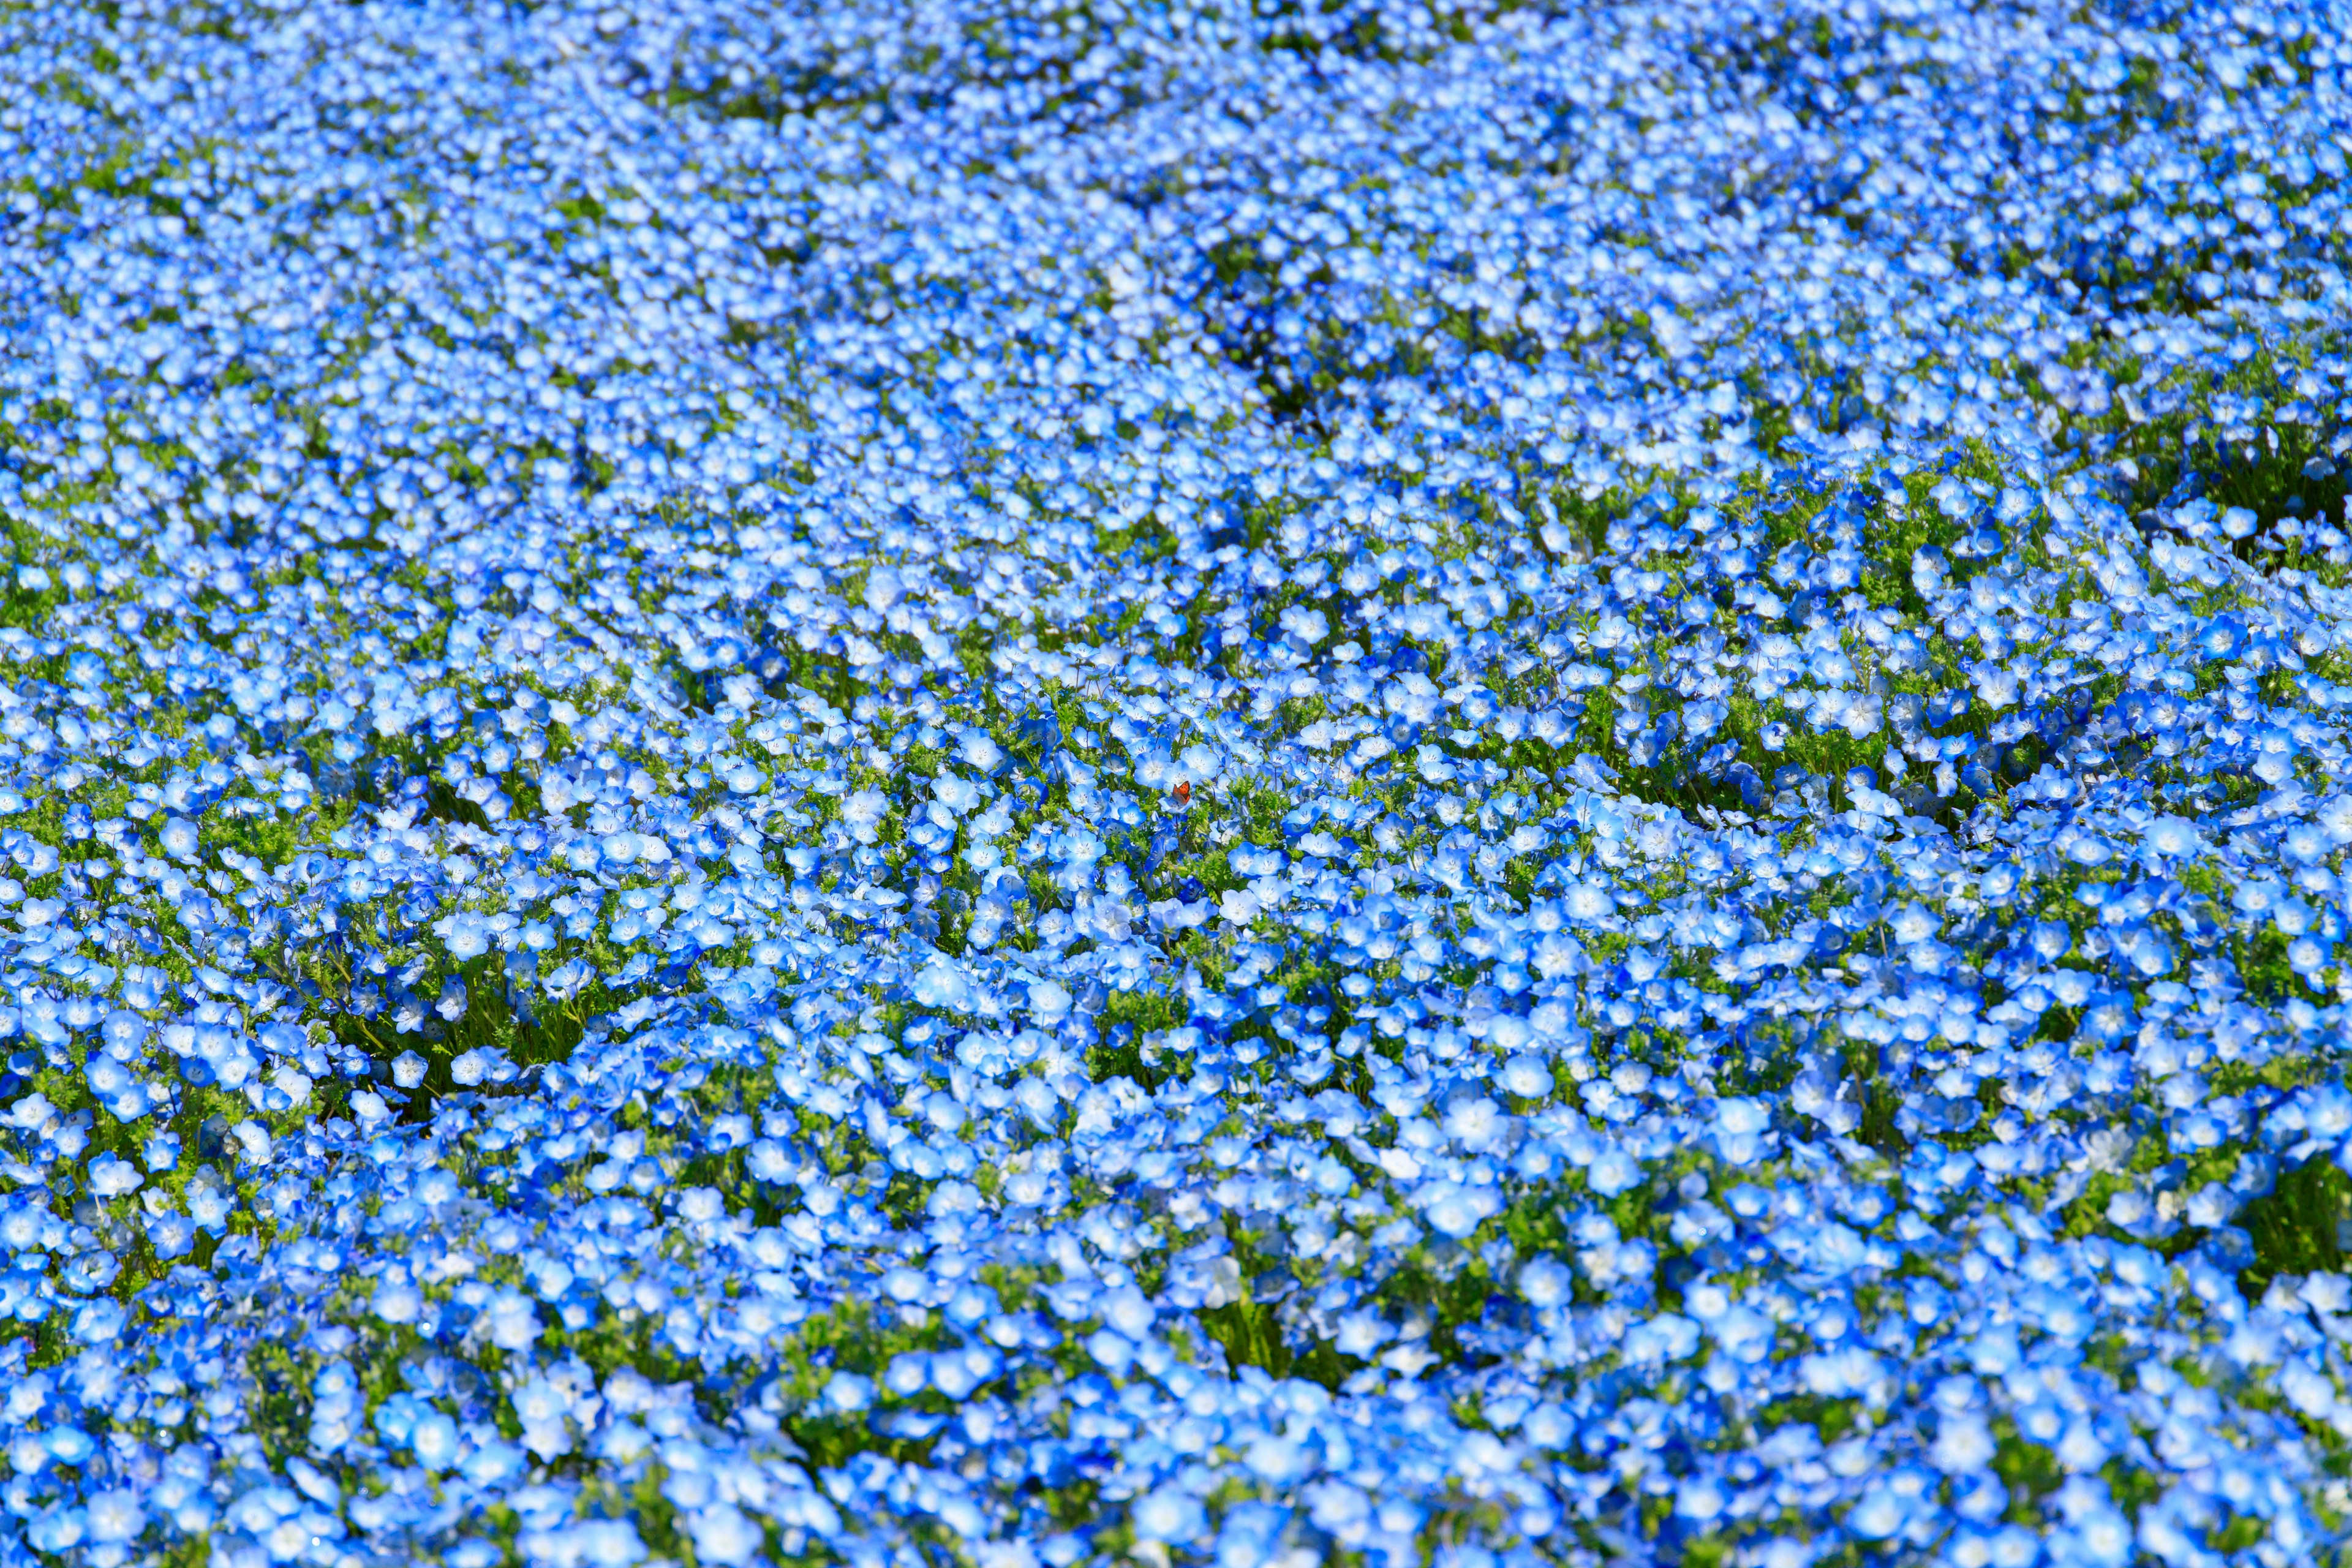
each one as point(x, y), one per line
point(1183, 792)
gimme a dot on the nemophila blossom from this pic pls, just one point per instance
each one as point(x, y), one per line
point(797, 790)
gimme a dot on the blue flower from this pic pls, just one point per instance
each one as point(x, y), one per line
point(1613, 1173)
point(2223, 637)
point(723, 1534)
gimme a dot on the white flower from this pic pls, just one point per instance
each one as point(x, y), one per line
point(862, 810)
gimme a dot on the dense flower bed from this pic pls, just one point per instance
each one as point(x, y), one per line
point(954, 783)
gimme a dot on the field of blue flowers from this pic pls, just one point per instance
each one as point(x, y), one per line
point(1053, 781)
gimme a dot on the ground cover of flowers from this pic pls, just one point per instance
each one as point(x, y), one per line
point(956, 782)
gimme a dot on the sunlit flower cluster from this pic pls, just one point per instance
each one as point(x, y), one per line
point(956, 782)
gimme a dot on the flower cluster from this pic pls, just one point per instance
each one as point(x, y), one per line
point(1051, 785)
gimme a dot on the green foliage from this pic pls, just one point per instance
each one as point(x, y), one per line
point(2300, 1227)
point(2030, 1471)
point(1251, 1332)
point(2280, 469)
